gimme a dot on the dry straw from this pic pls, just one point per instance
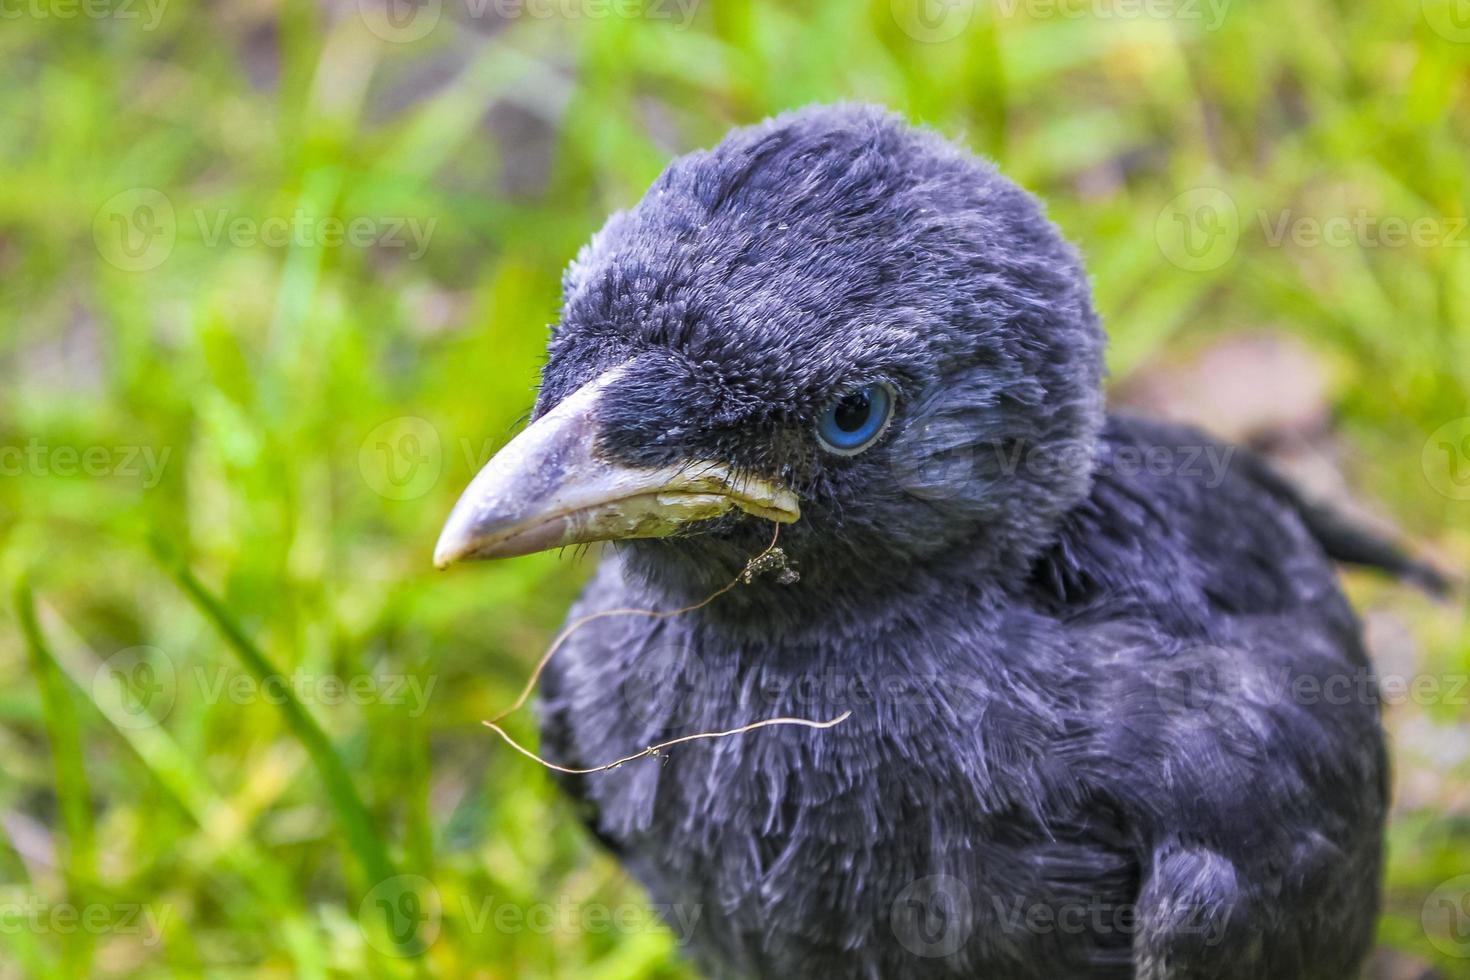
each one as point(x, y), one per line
point(772, 559)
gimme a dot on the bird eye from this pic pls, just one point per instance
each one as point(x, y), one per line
point(854, 422)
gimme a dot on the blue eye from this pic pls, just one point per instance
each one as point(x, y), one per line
point(854, 422)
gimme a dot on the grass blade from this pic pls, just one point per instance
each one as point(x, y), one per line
point(72, 789)
point(352, 813)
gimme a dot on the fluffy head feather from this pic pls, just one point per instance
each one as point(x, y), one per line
point(809, 255)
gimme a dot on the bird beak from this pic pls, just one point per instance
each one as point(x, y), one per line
point(548, 488)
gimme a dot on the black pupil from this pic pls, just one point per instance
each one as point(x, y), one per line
point(853, 411)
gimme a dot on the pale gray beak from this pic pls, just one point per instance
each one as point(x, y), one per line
point(547, 488)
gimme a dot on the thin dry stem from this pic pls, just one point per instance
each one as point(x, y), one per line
point(751, 569)
point(581, 621)
point(656, 749)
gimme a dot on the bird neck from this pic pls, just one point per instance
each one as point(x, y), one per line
point(833, 596)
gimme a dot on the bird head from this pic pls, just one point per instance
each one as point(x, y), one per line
point(832, 320)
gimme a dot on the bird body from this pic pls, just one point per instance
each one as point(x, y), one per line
point(1109, 772)
point(1107, 713)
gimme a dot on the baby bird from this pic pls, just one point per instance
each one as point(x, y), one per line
point(1105, 711)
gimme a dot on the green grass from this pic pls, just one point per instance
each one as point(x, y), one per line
point(309, 412)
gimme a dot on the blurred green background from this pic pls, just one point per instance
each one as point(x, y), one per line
point(275, 281)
